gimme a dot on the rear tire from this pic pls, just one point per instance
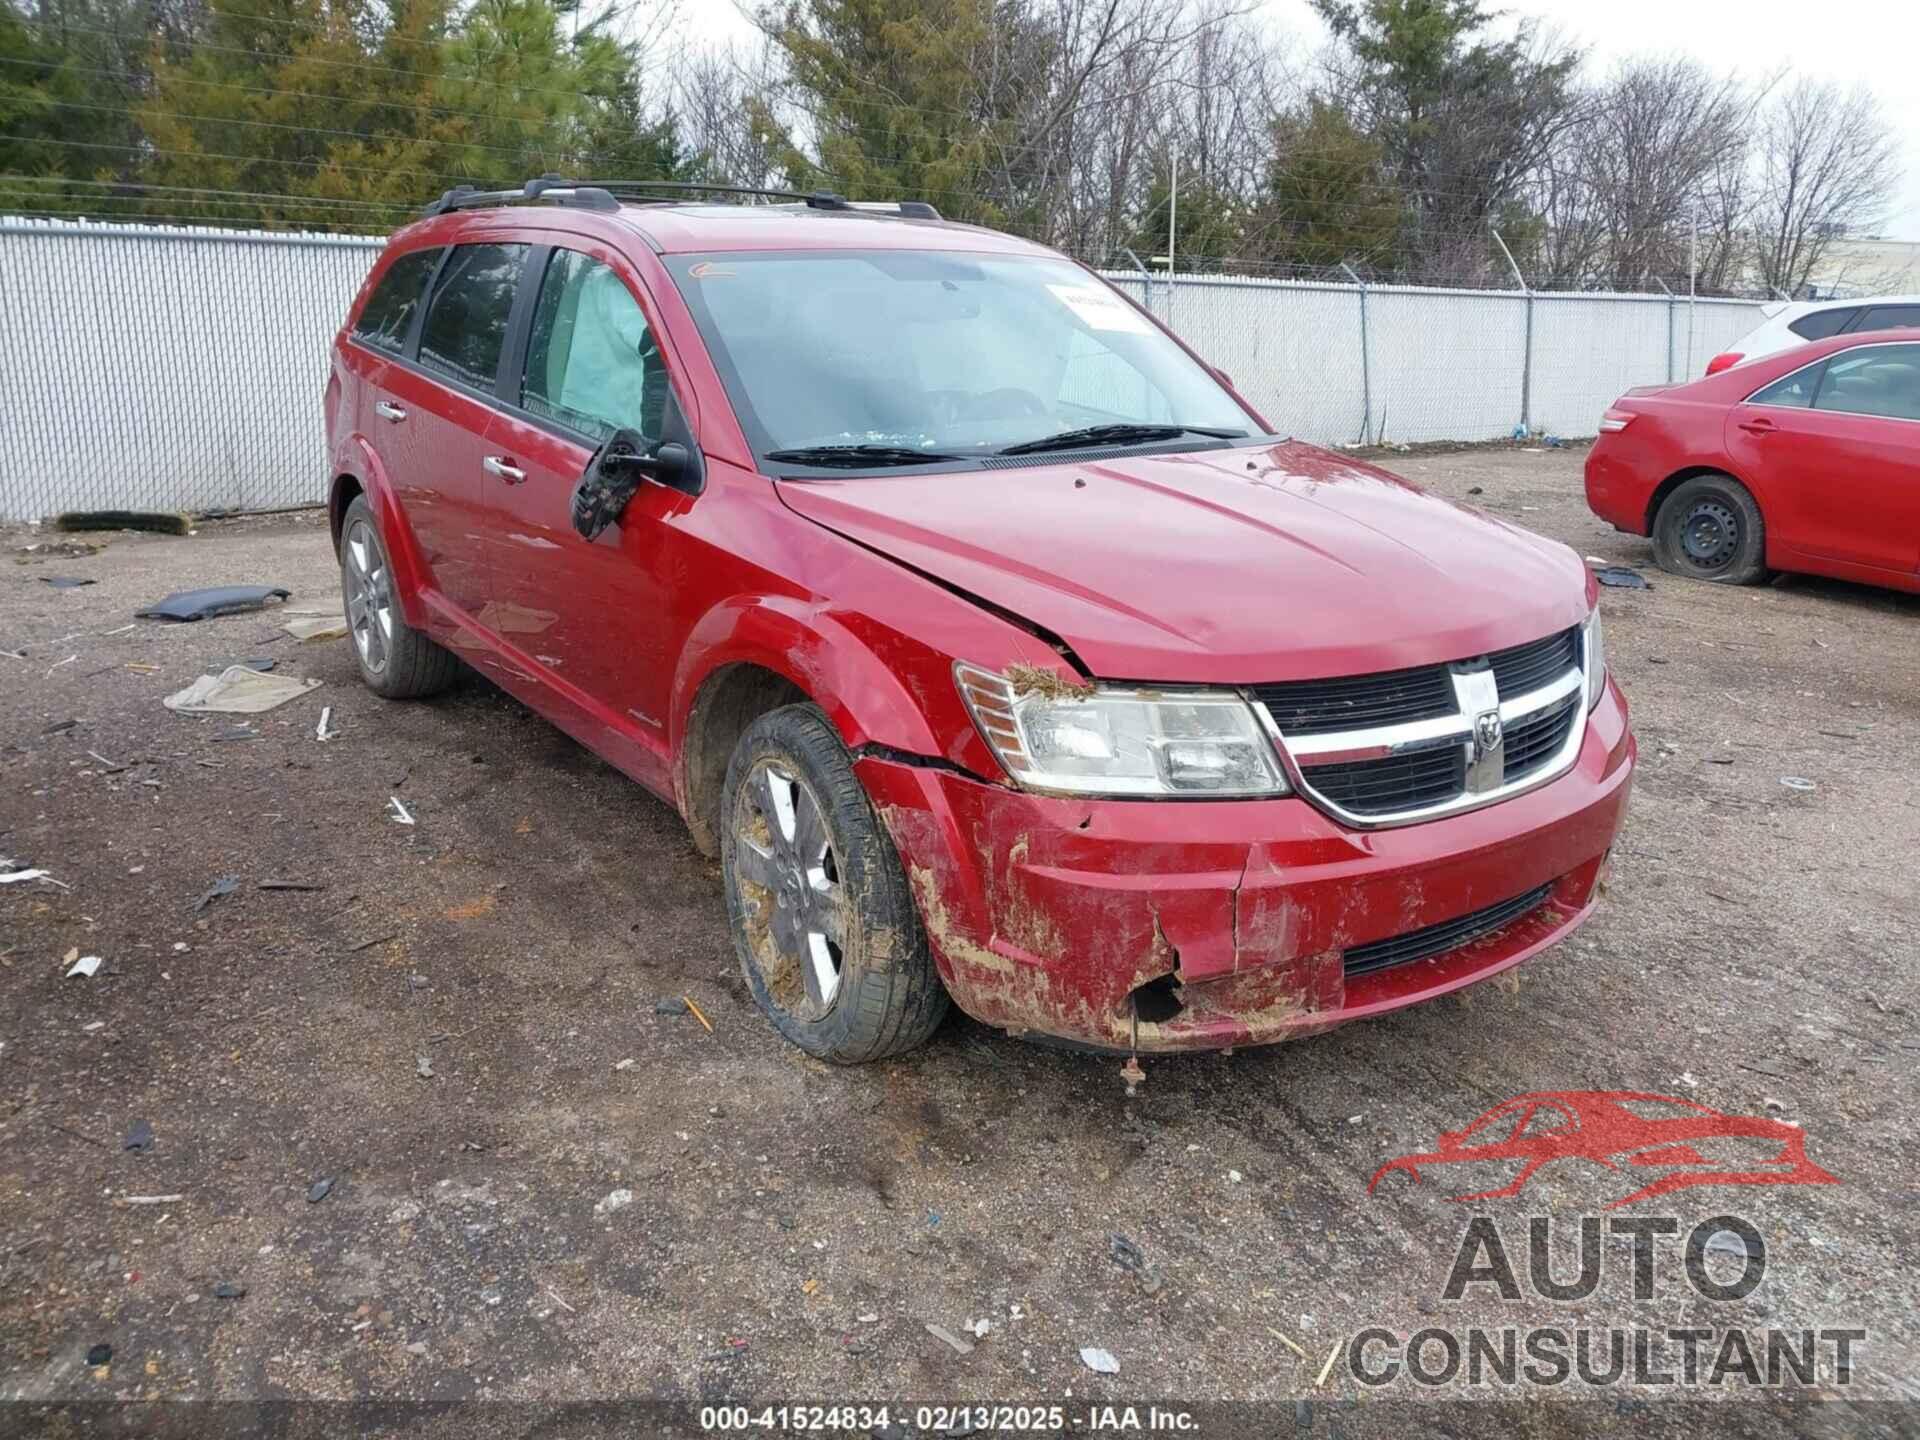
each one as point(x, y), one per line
point(395, 660)
point(1709, 528)
point(824, 923)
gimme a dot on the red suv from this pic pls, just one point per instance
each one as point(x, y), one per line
point(995, 645)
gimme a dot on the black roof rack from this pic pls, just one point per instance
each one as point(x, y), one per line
point(607, 194)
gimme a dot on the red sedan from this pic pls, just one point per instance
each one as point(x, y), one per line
point(1807, 460)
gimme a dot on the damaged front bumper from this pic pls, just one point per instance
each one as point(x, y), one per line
point(1194, 925)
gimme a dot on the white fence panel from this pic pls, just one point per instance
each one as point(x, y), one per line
point(151, 368)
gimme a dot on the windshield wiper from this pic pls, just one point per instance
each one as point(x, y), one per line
point(857, 457)
point(1116, 435)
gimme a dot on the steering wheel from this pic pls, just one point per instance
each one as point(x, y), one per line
point(1007, 400)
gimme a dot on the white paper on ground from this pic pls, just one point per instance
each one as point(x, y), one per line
point(237, 691)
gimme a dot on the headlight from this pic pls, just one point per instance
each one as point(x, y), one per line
point(1099, 740)
point(1593, 654)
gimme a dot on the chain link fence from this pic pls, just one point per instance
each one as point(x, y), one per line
point(162, 368)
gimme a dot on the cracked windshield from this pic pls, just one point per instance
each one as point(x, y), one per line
point(879, 357)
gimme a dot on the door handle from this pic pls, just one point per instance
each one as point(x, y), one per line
point(1758, 426)
point(387, 410)
point(503, 467)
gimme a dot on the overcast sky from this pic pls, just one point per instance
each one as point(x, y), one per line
point(1850, 42)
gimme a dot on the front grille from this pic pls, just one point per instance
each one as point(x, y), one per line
point(1537, 739)
point(1433, 940)
point(1399, 782)
point(1314, 717)
point(1392, 697)
point(1527, 667)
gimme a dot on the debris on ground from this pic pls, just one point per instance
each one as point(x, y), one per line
point(220, 888)
point(15, 877)
point(1621, 577)
point(316, 624)
point(292, 885)
point(237, 690)
point(1133, 1075)
point(319, 1190)
point(229, 1290)
point(150, 1199)
point(423, 1067)
point(86, 967)
point(100, 1355)
point(65, 549)
point(324, 732)
point(237, 732)
point(253, 662)
point(960, 1344)
point(1101, 1362)
point(1798, 782)
point(67, 582)
point(979, 1328)
point(623, 1065)
point(139, 1137)
point(670, 1006)
point(705, 1023)
point(1130, 1257)
point(217, 600)
point(401, 815)
point(612, 1201)
point(165, 522)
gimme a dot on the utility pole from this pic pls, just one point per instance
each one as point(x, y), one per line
point(1693, 272)
point(1173, 229)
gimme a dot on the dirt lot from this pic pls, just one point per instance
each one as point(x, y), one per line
point(793, 1229)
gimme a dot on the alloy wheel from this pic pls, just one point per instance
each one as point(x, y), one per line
point(369, 590)
point(789, 878)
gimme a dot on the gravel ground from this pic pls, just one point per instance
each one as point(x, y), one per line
point(792, 1229)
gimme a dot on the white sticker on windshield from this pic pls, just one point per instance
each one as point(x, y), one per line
point(1100, 309)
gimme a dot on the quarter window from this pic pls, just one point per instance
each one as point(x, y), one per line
point(387, 317)
point(1874, 380)
point(466, 325)
point(1823, 323)
point(592, 363)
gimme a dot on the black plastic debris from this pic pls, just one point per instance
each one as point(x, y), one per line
point(67, 582)
point(669, 1007)
point(58, 726)
point(228, 1290)
point(1620, 577)
point(100, 1355)
point(252, 662)
point(319, 1190)
point(220, 600)
point(139, 1138)
point(161, 522)
point(224, 886)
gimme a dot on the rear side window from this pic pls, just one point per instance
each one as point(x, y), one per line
point(1873, 380)
point(592, 363)
point(1795, 389)
point(1822, 323)
point(388, 316)
point(1889, 317)
point(466, 325)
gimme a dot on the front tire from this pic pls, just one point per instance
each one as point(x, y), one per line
point(823, 920)
point(1709, 528)
point(395, 660)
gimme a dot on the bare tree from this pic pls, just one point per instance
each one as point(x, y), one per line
point(1826, 169)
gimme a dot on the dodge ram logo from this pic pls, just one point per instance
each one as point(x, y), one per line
point(1487, 732)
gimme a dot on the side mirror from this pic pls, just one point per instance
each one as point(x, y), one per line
point(617, 469)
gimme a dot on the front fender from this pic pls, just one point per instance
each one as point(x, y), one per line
point(355, 459)
point(864, 697)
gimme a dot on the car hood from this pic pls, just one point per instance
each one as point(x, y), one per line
point(1227, 566)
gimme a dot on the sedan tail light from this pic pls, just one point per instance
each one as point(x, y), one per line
point(1726, 360)
point(1615, 420)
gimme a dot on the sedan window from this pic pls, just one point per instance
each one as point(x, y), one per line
point(1795, 390)
point(1874, 380)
